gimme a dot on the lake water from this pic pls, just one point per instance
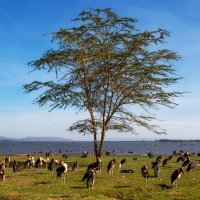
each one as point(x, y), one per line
point(120, 147)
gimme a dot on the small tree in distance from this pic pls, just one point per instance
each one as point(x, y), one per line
point(105, 66)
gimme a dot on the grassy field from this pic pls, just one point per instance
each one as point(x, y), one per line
point(33, 185)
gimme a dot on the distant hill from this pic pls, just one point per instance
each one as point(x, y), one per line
point(36, 139)
point(3, 138)
point(176, 140)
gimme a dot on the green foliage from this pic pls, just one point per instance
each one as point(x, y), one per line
point(107, 67)
point(33, 185)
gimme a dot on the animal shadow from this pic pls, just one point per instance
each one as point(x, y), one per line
point(77, 187)
point(121, 186)
point(42, 182)
point(164, 186)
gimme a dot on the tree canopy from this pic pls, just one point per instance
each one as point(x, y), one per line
point(106, 66)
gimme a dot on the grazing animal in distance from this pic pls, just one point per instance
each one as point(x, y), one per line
point(62, 170)
point(30, 162)
point(16, 167)
point(181, 152)
point(46, 162)
point(170, 157)
point(51, 166)
point(192, 165)
point(145, 173)
point(2, 171)
point(165, 161)
point(180, 159)
point(7, 161)
point(48, 154)
point(110, 166)
point(86, 175)
point(39, 163)
point(176, 175)
point(155, 163)
point(75, 166)
point(159, 158)
point(185, 155)
point(149, 154)
point(84, 154)
point(97, 165)
point(65, 156)
point(186, 162)
point(156, 170)
point(122, 162)
point(91, 178)
point(130, 153)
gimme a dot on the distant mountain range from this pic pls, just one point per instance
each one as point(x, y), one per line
point(36, 139)
point(58, 139)
point(176, 140)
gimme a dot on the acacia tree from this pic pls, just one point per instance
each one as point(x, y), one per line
point(105, 66)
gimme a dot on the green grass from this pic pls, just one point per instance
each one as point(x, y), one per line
point(32, 185)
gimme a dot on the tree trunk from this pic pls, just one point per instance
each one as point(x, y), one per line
point(95, 145)
point(94, 133)
point(102, 141)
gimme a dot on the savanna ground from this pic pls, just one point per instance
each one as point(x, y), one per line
point(45, 186)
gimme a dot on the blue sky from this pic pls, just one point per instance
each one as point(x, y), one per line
point(25, 34)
